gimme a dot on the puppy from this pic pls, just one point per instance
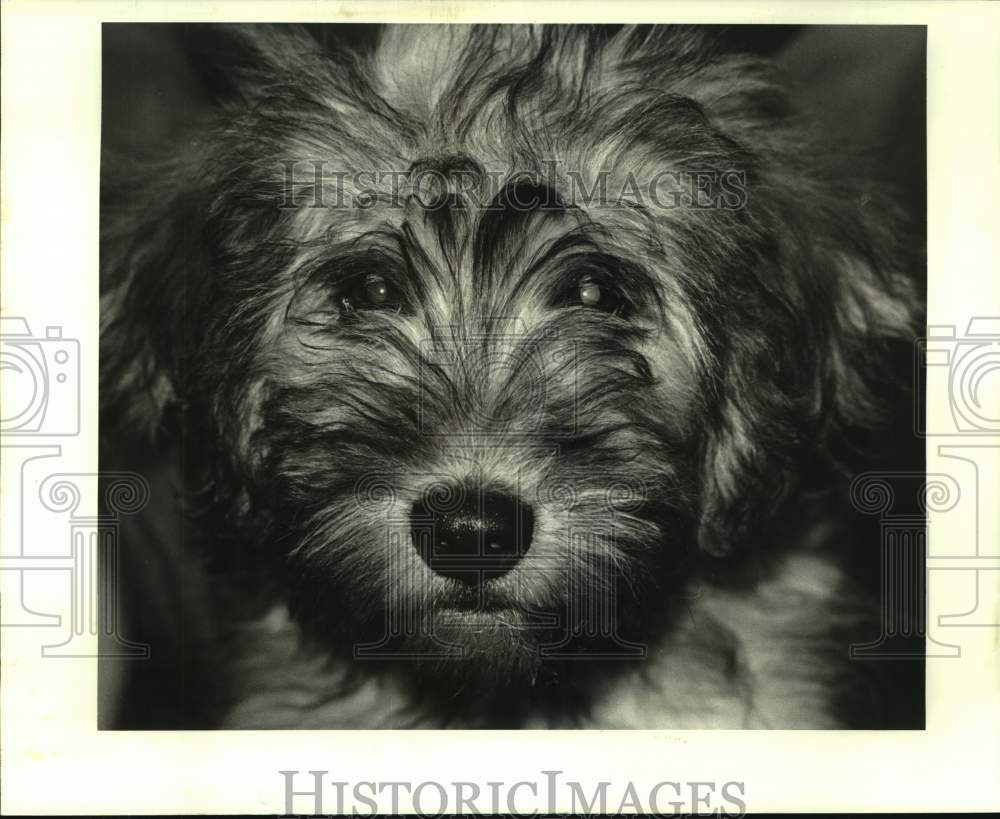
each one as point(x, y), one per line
point(509, 377)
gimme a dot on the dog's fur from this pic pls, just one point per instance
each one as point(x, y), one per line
point(686, 452)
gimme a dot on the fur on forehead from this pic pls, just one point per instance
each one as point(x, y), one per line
point(512, 98)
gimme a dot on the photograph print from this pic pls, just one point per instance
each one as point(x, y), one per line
point(512, 376)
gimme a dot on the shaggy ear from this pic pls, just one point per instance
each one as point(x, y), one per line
point(178, 227)
point(150, 249)
point(819, 359)
point(156, 231)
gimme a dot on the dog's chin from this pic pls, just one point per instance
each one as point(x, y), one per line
point(479, 647)
point(469, 647)
point(490, 659)
point(500, 642)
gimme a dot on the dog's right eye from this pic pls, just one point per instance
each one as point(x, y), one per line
point(371, 292)
point(593, 293)
point(589, 292)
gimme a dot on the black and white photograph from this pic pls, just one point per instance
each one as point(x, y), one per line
point(510, 376)
point(530, 408)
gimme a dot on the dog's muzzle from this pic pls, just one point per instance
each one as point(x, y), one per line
point(482, 536)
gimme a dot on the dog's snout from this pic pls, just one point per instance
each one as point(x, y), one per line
point(475, 535)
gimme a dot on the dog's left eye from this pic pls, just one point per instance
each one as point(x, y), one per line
point(373, 292)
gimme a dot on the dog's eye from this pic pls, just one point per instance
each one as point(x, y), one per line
point(376, 290)
point(598, 295)
point(373, 292)
point(590, 292)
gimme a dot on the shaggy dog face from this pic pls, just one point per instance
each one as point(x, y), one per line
point(485, 348)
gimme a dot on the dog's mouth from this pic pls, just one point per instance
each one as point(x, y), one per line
point(483, 597)
point(485, 630)
point(492, 618)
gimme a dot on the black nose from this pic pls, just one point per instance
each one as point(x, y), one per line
point(471, 534)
